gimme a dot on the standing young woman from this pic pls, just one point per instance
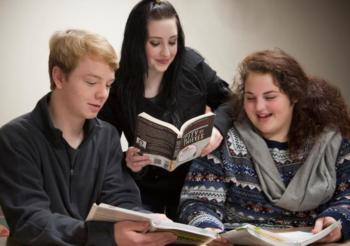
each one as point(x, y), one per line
point(160, 76)
point(286, 160)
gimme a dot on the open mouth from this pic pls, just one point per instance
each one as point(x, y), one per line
point(263, 116)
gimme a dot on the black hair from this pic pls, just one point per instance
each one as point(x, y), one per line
point(133, 63)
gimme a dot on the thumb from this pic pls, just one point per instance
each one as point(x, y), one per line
point(318, 225)
point(139, 226)
point(207, 109)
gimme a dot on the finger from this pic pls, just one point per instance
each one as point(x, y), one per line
point(140, 158)
point(210, 147)
point(206, 150)
point(136, 226)
point(220, 241)
point(207, 109)
point(158, 238)
point(333, 236)
point(137, 166)
point(214, 142)
point(131, 160)
point(318, 225)
point(132, 150)
point(327, 239)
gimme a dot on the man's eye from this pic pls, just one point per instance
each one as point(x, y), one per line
point(90, 83)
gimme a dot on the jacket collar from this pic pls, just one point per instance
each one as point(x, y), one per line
point(43, 120)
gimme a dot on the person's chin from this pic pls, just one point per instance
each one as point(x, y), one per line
point(90, 116)
point(162, 68)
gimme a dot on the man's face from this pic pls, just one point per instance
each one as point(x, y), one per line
point(86, 88)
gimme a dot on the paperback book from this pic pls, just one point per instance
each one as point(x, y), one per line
point(186, 234)
point(169, 147)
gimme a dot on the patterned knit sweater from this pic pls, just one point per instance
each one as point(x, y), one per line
point(223, 190)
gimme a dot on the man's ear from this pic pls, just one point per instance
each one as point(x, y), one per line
point(58, 77)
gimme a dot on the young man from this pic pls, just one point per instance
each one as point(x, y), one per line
point(59, 159)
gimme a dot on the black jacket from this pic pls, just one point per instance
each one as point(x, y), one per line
point(47, 190)
point(198, 86)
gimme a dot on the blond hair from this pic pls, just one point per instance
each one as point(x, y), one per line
point(68, 47)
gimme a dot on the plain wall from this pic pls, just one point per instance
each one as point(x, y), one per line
point(316, 32)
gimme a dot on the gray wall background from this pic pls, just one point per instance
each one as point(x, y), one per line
point(316, 32)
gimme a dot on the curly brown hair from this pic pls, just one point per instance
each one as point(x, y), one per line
point(318, 104)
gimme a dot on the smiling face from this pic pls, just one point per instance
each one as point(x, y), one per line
point(161, 44)
point(267, 107)
point(84, 90)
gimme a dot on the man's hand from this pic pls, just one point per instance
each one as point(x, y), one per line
point(220, 241)
point(135, 161)
point(128, 233)
point(322, 223)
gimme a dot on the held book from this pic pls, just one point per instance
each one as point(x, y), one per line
point(186, 234)
point(252, 235)
point(169, 147)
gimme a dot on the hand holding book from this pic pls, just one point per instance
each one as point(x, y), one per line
point(135, 160)
point(324, 222)
point(214, 142)
point(169, 147)
point(185, 234)
point(253, 235)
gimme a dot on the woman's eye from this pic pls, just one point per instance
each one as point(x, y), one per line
point(250, 98)
point(154, 44)
point(270, 98)
point(172, 43)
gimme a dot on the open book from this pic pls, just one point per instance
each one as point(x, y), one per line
point(253, 235)
point(186, 234)
point(169, 147)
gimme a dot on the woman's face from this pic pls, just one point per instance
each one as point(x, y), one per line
point(267, 107)
point(161, 44)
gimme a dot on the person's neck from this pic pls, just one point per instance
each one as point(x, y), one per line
point(152, 84)
point(70, 125)
point(281, 138)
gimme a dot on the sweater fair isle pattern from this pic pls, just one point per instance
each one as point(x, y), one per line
point(223, 191)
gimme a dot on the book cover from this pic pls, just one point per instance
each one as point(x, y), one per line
point(186, 234)
point(253, 235)
point(169, 147)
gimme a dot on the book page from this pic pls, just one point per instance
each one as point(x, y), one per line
point(247, 235)
point(194, 138)
point(186, 234)
point(252, 235)
point(105, 212)
point(306, 238)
